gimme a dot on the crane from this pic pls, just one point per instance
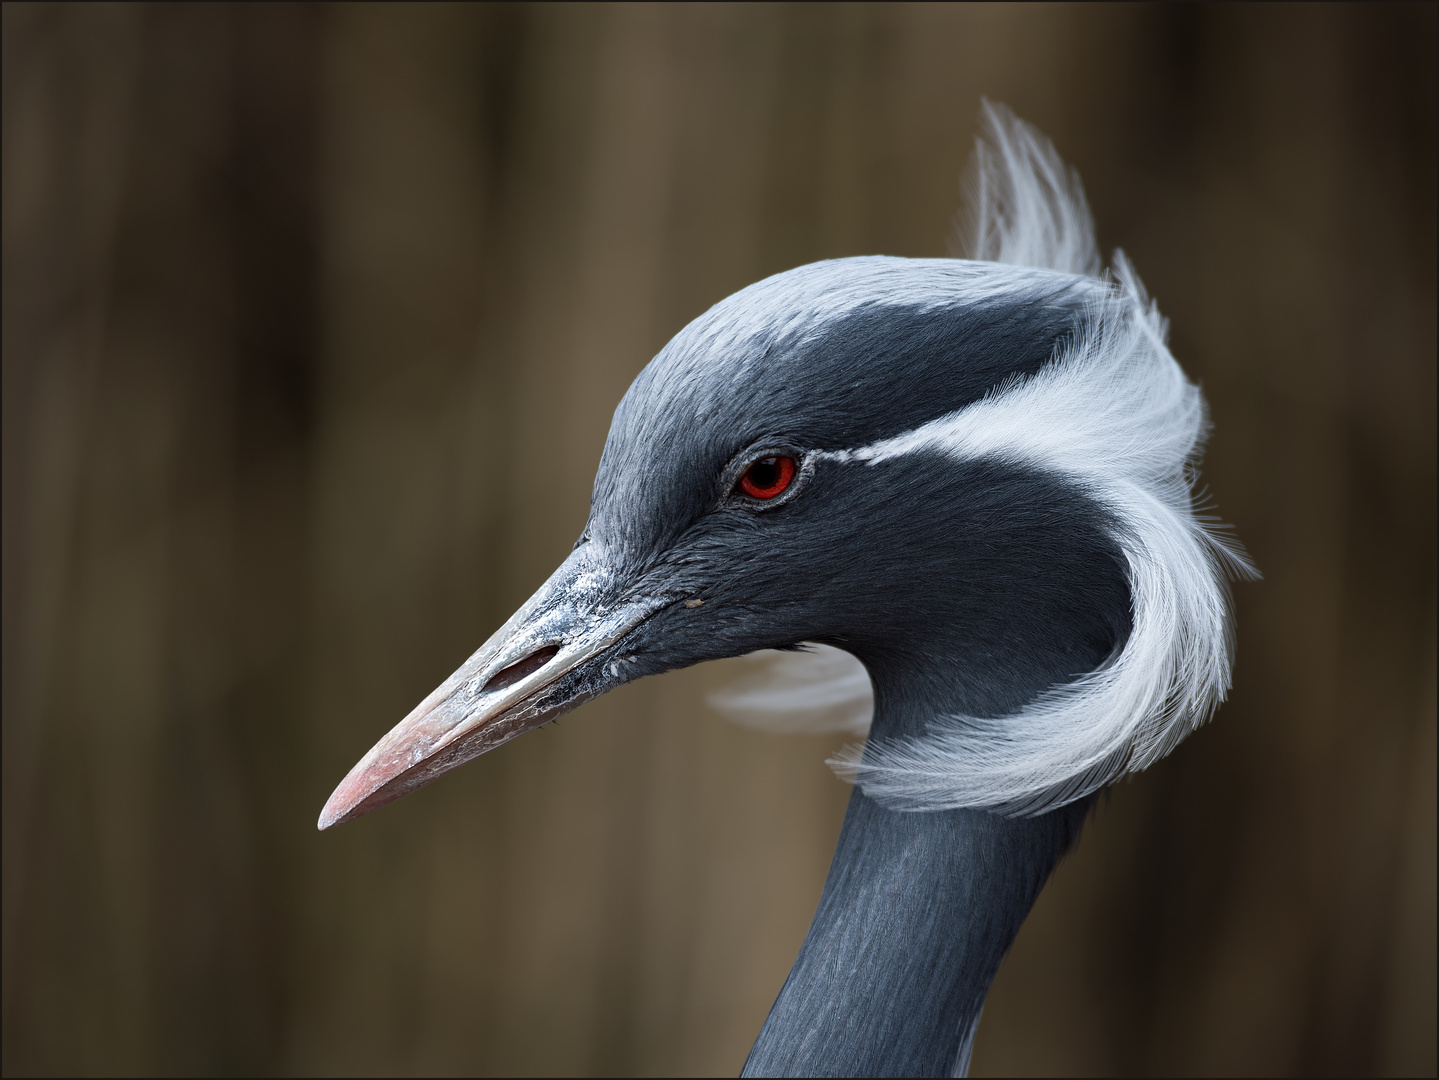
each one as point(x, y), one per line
point(973, 476)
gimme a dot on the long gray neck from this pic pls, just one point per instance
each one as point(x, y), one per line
point(917, 912)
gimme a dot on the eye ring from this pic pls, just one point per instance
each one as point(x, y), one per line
point(766, 477)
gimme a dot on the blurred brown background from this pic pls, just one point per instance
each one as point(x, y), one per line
point(313, 322)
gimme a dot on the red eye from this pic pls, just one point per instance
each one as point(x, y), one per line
point(767, 477)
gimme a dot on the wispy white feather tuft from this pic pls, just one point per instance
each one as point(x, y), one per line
point(1115, 414)
point(818, 690)
point(1026, 207)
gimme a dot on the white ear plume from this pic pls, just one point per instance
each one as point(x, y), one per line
point(1114, 414)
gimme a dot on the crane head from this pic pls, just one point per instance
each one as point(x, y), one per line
point(971, 475)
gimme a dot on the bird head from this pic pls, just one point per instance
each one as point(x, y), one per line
point(972, 476)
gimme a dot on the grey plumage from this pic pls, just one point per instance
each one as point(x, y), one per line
point(916, 915)
point(977, 556)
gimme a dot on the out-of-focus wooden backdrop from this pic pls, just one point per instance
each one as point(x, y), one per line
point(313, 322)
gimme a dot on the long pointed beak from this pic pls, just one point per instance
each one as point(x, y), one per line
point(506, 688)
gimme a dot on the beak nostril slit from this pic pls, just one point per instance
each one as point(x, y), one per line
point(520, 668)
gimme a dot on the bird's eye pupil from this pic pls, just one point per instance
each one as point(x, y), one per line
point(767, 477)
